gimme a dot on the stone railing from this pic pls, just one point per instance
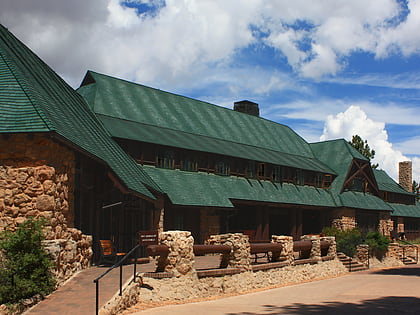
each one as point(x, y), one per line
point(178, 257)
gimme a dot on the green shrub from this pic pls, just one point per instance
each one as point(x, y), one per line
point(377, 242)
point(25, 268)
point(347, 240)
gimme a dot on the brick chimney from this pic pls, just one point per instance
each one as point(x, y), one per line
point(405, 173)
point(247, 107)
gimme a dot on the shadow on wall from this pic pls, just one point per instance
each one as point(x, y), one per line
point(387, 305)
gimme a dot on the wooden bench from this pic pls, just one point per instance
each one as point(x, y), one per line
point(109, 255)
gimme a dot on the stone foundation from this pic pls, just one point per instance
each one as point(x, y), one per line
point(189, 288)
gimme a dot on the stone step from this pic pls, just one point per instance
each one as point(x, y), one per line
point(351, 264)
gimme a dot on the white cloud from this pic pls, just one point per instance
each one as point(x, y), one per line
point(182, 40)
point(354, 121)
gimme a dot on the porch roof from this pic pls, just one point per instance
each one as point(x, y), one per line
point(386, 183)
point(210, 190)
point(33, 98)
point(401, 210)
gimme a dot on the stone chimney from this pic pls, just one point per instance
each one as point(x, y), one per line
point(406, 175)
point(247, 107)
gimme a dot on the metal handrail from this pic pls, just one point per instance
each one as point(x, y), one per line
point(415, 245)
point(117, 264)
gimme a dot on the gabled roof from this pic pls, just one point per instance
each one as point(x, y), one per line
point(33, 98)
point(386, 183)
point(136, 112)
point(340, 156)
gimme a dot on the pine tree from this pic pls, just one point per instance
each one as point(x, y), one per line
point(363, 147)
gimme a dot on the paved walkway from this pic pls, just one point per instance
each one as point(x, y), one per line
point(390, 291)
point(78, 295)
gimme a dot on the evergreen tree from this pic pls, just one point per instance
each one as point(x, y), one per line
point(416, 190)
point(363, 147)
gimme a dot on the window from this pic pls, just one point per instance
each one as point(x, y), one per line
point(251, 170)
point(300, 177)
point(222, 168)
point(276, 174)
point(189, 165)
point(166, 159)
point(261, 170)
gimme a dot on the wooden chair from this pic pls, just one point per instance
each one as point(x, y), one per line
point(109, 255)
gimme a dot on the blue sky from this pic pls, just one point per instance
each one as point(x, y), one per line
point(328, 69)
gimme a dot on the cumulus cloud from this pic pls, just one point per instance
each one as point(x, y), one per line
point(179, 41)
point(354, 121)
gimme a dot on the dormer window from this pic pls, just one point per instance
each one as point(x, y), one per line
point(222, 168)
point(166, 159)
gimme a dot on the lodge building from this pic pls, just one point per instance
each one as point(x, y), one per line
point(115, 157)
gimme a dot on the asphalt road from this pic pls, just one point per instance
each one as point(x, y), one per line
point(390, 291)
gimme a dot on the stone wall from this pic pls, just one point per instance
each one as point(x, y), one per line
point(362, 254)
point(37, 180)
point(240, 256)
point(386, 225)
point(192, 288)
point(344, 219)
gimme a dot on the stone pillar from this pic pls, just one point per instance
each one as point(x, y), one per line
point(400, 225)
point(287, 249)
point(240, 256)
point(405, 175)
point(332, 250)
point(395, 251)
point(362, 254)
point(344, 219)
point(180, 260)
point(316, 246)
point(386, 225)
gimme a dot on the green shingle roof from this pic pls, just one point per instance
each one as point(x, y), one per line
point(401, 210)
point(339, 154)
point(386, 183)
point(141, 113)
point(33, 98)
point(210, 190)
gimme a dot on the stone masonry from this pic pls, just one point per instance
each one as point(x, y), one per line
point(37, 180)
point(344, 219)
point(180, 260)
point(316, 246)
point(287, 249)
point(405, 175)
point(240, 256)
point(386, 225)
point(332, 249)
